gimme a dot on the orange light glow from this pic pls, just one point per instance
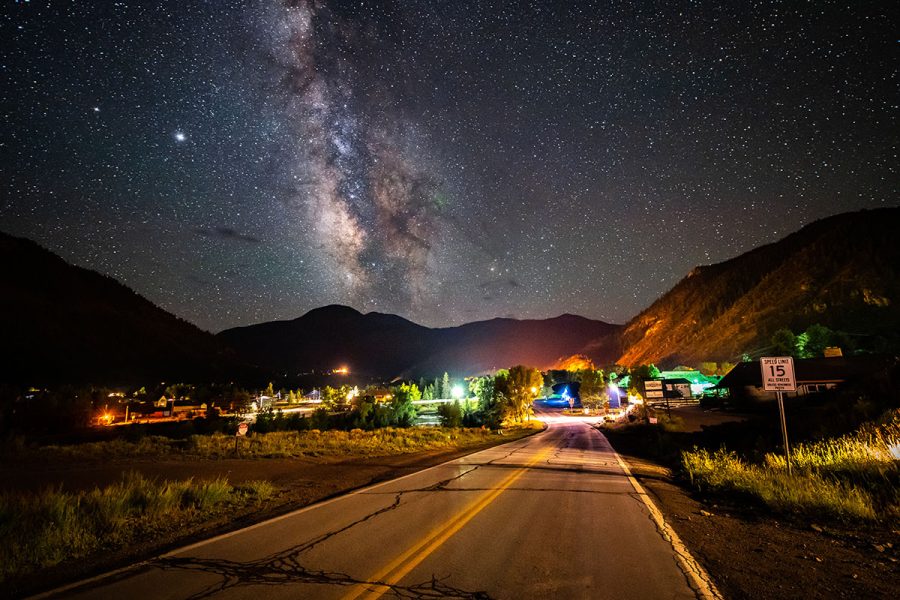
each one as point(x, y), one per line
point(342, 371)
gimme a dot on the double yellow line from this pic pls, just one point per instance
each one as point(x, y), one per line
point(397, 569)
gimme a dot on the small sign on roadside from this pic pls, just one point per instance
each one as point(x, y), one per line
point(778, 377)
point(653, 388)
point(242, 429)
point(778, 374)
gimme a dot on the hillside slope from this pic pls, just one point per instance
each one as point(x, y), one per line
point(842, 272)
point(66, 324)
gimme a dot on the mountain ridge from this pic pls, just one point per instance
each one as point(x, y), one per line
point(838, 271)
point(407, 349)
point(67, 324)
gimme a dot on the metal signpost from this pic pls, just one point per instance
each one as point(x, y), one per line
point(241, 432)
point(778, 377)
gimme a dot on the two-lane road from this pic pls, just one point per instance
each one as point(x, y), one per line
point(550, 516)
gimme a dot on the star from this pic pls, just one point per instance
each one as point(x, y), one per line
point(180, 136)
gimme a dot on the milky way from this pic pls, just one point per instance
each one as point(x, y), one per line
point(242, 161)
point(370, 208)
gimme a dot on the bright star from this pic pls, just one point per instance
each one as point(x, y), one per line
point(180, 136)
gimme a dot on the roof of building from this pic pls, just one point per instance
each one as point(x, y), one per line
point(810, 370)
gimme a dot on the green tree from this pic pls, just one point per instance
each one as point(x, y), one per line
point(592, 390)
point(638, 375)
point(445, 387)
point(516, 387)
point(487, 412)
point(724, 367)
point(784, 343)
point(335, 398)
point(450, 414)
point(708, 368)
point(403, 412)
point(815, 339)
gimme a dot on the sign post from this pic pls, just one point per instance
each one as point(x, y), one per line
point(241, 432)
point(778, 377)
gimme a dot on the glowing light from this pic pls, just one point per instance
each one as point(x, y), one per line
point(457, 392)
point(343, 370)
point(534, 391)
point(180, 136)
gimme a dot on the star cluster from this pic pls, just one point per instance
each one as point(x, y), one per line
point(240, 161)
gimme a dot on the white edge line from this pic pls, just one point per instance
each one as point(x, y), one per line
point(697, 576)
point(108, 574)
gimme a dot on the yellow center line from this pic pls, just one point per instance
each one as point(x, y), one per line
point(409, 560)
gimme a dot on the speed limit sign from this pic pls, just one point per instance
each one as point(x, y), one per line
point(778, 374)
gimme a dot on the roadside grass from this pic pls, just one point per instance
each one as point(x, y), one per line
point(39, 530)
point(386, 441)
point(854, 477)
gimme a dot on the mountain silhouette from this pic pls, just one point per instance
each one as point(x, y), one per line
point(386, 345)
point(66, 324)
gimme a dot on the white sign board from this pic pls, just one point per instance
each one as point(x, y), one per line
point(653, 388)
point(778, 374)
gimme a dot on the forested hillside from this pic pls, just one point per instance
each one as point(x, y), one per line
point(842, 272)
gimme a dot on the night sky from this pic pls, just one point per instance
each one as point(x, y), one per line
point(448, 161)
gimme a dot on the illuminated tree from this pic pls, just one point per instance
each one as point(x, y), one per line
point(708, 368)
point(638, 375)
point(450, 414)
point(593, 390)
point(403, 413)
point(445, 386)
point(724, 367)
point(516, 386)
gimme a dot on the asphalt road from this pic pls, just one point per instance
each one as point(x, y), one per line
point(550, 516)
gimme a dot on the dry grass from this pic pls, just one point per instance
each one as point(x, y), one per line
point(43, 529)
point(852, 477)
point(280, 444)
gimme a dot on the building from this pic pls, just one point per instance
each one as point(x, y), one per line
point(813, 375)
